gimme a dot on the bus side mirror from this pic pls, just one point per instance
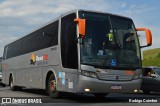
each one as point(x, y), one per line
point(148, 36)
point(81, 27)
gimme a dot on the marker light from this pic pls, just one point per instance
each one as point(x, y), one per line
point(135, 90)
point(87, 90)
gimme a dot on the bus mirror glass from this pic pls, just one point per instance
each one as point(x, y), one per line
point(148, 36)
point(81, 27)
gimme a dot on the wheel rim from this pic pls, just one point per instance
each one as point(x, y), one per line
point(52, 86)
point(11, 85)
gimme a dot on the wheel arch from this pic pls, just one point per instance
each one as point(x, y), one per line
point(11, 75)
point(49, 73)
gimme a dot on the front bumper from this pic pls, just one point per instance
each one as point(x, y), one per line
point(99, 86)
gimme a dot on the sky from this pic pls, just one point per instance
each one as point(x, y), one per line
point(19, 17)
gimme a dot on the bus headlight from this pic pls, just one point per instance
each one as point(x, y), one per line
point(93, 75)
point(89, 74)
point(85, 73)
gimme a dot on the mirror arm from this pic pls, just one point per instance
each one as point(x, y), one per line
point(143, 46)
point(80, 40)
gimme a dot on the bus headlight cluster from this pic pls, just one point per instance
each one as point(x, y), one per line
point(89, 74)
point(137, 76)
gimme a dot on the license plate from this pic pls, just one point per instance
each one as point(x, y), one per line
point(116, 87)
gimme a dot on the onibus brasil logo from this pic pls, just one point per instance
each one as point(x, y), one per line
point(36, 58)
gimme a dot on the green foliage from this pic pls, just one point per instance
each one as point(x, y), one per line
point(158, 56)
point(151, 62)
point(151, 57)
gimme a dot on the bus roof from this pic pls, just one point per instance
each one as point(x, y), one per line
point(62, 15)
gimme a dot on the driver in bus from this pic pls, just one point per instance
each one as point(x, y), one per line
point(106, 44)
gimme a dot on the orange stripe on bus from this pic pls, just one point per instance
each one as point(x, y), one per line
point(129, 72)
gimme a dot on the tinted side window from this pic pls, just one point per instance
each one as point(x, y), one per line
point(11, 52)
point(8, 54)
point(5, 52)
point(17, 48)
point(69, 53)
point(50, 35)
point(14, 49)
point(45, 37)
point(36, 40)
point(26, 46)
point(0, 67)
point(40, 39)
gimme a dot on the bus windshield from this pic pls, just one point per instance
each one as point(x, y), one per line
point(110, 42)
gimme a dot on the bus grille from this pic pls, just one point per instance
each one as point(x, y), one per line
point(103, 76)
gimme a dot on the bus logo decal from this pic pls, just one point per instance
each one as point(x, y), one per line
point(37, 58)
point(33, 59)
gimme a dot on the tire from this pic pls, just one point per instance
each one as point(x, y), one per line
point(51, 87)
point(146, 91)
point(12, 87)
point(100, 95)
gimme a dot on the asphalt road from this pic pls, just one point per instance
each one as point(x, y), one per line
point(68, 99)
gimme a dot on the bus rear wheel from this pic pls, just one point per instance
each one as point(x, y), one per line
point(100, 95)
point(12, 87)
point(52, 91)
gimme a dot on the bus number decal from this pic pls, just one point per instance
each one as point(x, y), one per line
point(61, 75)
point(70, 85)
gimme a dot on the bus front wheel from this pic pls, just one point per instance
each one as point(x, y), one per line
point(52, 91)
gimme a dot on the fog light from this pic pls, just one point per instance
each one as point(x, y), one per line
point(135, 90)
point(86, 90)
